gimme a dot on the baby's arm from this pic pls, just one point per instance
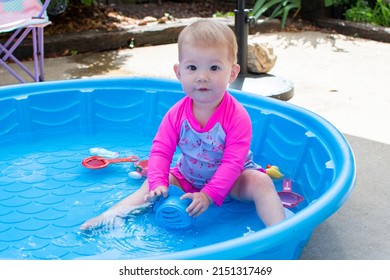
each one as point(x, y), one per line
point(163, 148)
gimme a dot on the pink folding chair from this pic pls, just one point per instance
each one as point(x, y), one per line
point(19, 18)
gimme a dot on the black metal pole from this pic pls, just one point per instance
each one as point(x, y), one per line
point(241, 26)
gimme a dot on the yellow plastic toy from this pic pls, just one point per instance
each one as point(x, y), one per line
point(273, 171)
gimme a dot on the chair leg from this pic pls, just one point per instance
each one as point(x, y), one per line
point(41, 54)
point(11, 71)
point(10, 40)
point(38, 53)
point(35, 53)
point(37, 40)
point(6, 53)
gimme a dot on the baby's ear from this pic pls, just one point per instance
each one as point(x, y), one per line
point(176, 69)
point(234, 73)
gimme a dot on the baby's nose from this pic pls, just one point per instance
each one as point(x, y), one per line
point(202, 77)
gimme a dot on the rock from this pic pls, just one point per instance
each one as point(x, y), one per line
point(162, 20)
point(261, 58)
point(147, 20)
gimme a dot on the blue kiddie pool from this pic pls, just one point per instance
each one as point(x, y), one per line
point(48, 129)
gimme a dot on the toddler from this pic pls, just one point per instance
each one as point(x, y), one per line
point(213, 132)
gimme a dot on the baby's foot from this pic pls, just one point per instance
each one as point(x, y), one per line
point(103, 220)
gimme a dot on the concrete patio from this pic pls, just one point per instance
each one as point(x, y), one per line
point(343, 79)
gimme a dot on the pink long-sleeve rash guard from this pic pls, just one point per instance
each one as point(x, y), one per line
point(211, 157)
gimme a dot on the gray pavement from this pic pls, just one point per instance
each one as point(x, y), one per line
point(343, 79)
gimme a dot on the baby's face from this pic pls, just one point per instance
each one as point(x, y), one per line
point(205, 72)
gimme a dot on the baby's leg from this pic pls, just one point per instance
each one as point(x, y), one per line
point(121, 209)
point(256, 186)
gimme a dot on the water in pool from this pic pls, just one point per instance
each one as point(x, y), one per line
point(46, 193)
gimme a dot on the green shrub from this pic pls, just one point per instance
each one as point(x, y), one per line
point(278, 8)
point(378, 14)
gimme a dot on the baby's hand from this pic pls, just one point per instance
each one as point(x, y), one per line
point(200, 203)
point(156, 193)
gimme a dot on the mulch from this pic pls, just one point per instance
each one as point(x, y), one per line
point(78, 17)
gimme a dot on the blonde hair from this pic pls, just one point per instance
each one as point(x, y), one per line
point(209, 33)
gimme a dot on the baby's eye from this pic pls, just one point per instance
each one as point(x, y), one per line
point(191, 67)
point(214, 68)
